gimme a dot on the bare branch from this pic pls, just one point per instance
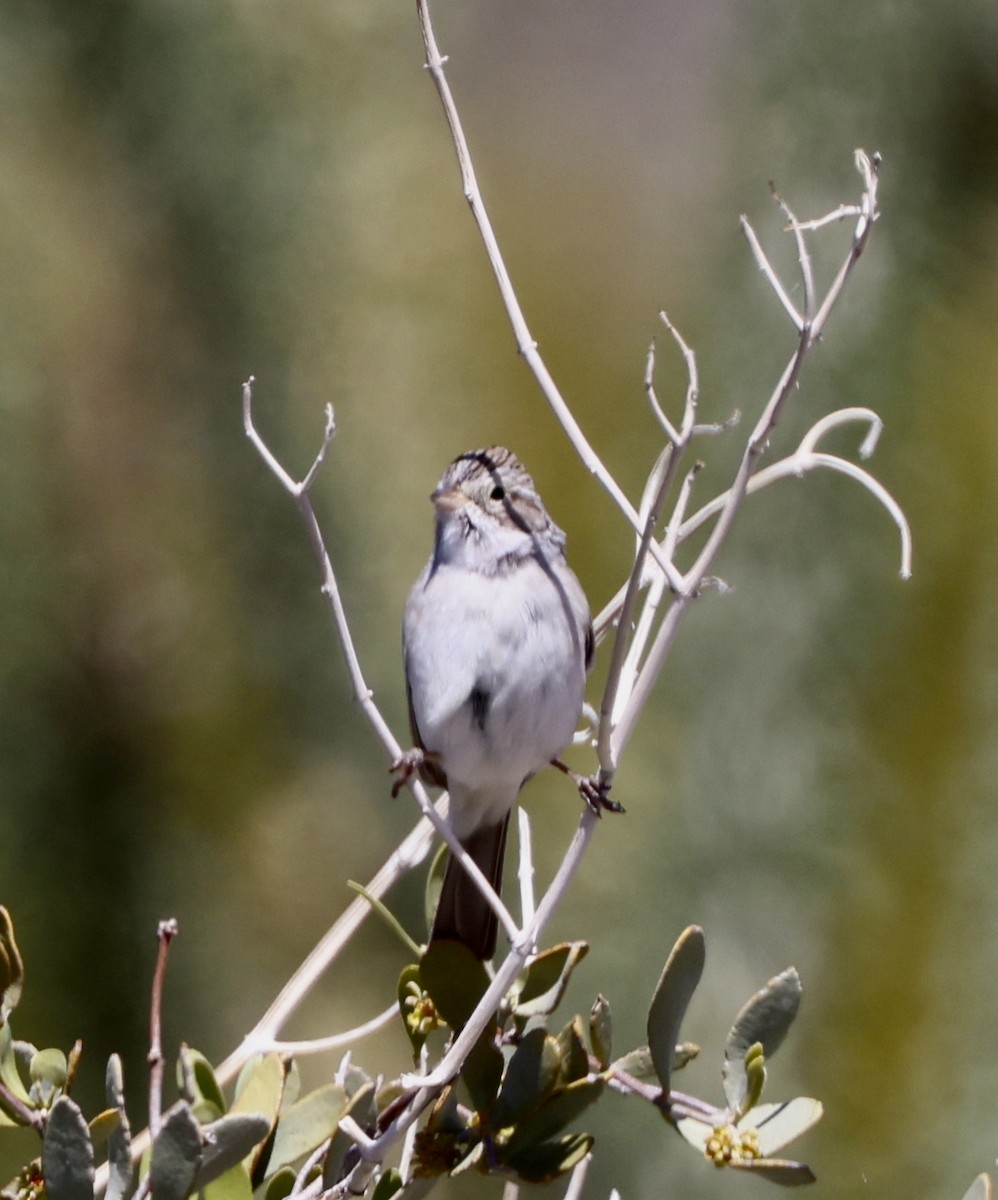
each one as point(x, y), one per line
point(335, 1041)
point(525, 873)
point(525, 343)
point(165, 933)
point(803, 256)
point(724, 512)
point(773, 279)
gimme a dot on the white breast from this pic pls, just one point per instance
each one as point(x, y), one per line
point(516, 642)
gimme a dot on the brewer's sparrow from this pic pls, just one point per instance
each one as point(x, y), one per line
point(497, 641)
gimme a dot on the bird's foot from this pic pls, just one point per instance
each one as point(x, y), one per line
point(594, 789)
point(407, 765)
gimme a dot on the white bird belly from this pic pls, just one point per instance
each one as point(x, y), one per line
point(497, 676)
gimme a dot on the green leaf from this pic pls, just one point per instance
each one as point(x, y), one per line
point(574, 1058)
point(546, 977)
point(228, 1141)
point(49, 1066)
point(307, 1124)
point(601, 1031)
point(192, 1066)
point(454, 978)
point(676, 986)
point(10, 1077)
point(280, 1185)
point(67, 1155)
point(551, 1160)
point(102, 1126)
point(637, 1063)
point(765, 1018)
point(11, 967)
point(482, 1073)
point(559, 1110)
point(119, 1147)
point(176, 1155)
point(531, 1077)
point(260, 1089)
point(390, 1184)
point(233, 1184)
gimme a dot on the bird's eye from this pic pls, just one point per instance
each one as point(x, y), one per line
point(498, 493)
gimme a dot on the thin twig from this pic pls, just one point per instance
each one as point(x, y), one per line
point(525, 343)
point(166, 931)
point(771, 277)
point(808, 333)
point(670, 431)
point(336, 1040)
point(803, 256)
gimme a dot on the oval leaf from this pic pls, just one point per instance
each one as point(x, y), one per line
point(454, 978)
point(779, 1124)
point(531, 1076)
point(119, 1146)
point(194, 1069)
point(765, 1018)
point(260, 1089)
point(228, 1141)
point(546, 977)
point(307, 1124)
point(601, 1031)
point(233, 1184)
point(280, 1184)
point(67, 1155)
point(559, 1110)
point(49, 1066)
point(10, 1076)
point(676, 986)
point(176, 1155)
point(637, 1063)
point(574, 1064)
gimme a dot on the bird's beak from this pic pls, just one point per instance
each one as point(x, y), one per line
point(447, 501)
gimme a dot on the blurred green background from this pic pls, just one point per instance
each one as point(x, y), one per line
point(193, 192)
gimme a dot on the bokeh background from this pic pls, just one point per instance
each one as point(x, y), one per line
point(192, 192)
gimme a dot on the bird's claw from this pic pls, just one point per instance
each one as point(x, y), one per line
point(594, 789)
point(404, 767)
point(596, 793)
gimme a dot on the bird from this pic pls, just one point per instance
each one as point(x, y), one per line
point(497, 641)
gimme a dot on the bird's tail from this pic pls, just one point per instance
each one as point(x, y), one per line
point(463, 914)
